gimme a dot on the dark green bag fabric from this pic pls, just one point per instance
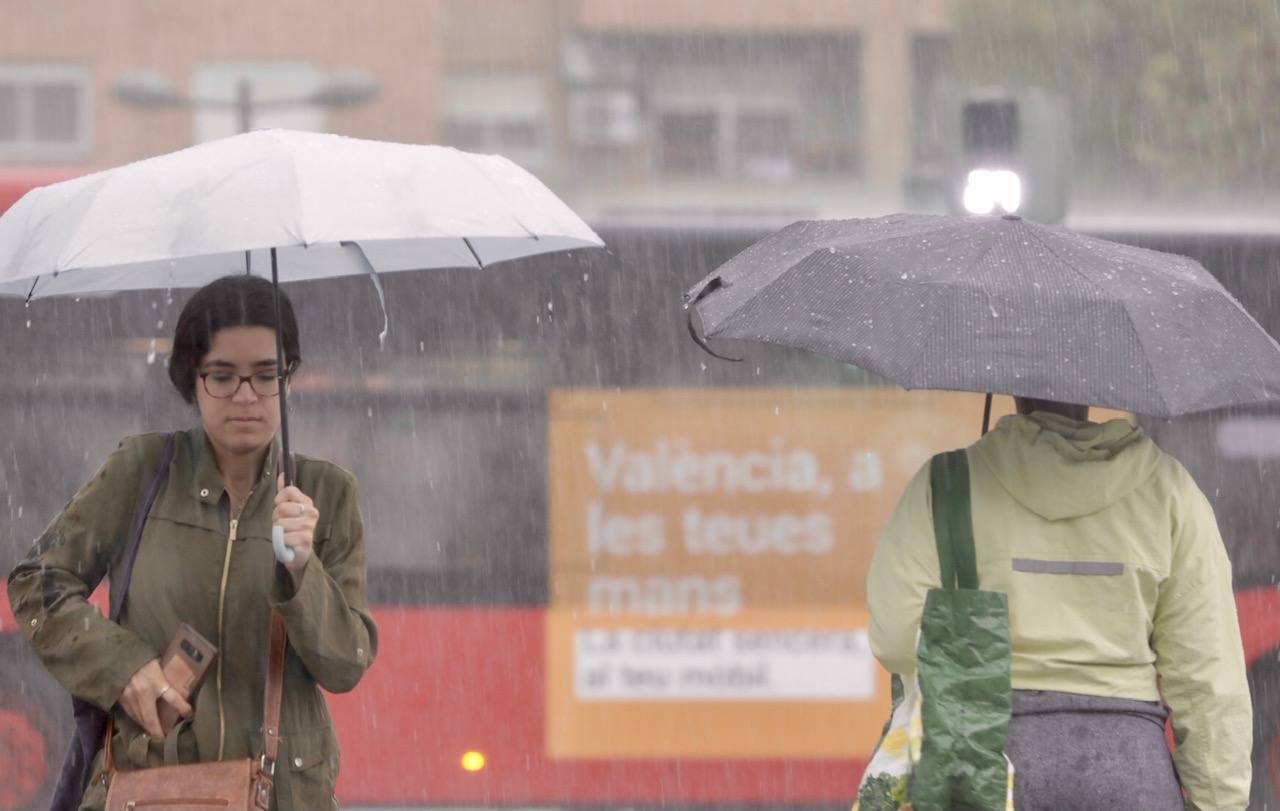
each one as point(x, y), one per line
point(962, 665)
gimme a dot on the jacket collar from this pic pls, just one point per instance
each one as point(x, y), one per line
point(207, 486)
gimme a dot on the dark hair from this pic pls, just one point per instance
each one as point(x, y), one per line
point(1026, 405)
point(232, 301)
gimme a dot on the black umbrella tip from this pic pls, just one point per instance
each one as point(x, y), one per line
point(703, 289)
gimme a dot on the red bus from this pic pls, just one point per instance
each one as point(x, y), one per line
point(607, 569)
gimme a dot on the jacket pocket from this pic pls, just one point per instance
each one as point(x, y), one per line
point(307, 770)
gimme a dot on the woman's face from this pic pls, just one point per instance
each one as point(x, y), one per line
point(246, 421)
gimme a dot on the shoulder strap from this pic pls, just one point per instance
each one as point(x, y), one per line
point(120, 579)
point(271, 712)
point(953, 520)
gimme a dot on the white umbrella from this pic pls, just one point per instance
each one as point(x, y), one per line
point(326, 204)
point(285, 205)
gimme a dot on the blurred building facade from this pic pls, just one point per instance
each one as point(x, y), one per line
point(636, 111)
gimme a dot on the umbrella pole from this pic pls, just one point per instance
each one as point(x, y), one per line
point(283, 553)
point(286, 461)
point(986, 415)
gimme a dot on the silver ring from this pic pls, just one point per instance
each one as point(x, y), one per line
point(163, 690)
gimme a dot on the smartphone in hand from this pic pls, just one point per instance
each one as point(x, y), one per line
point(185, 662)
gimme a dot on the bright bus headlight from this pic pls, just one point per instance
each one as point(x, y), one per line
point(987, 188)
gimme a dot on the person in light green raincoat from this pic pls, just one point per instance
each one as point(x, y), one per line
point(205, 559)
point(1119, 598)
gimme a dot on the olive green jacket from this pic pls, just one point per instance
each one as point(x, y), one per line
point(195, 566)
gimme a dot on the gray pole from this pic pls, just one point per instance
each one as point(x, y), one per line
point(244, 106)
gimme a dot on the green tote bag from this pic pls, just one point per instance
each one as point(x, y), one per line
point(952, 719)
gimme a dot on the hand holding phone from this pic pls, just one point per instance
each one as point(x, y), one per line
point(185, 662)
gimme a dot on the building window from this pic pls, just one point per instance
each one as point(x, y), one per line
point(520, 139)
point(608, 117)
point(44, 113)
point(770, 107)
point(272, 88)
point(503, 113)
point(764, 145)
point(689, 143)
point(733, 136)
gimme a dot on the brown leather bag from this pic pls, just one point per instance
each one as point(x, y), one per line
point(233, 785)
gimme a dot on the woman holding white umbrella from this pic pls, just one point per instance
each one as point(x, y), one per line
point(203, 557)
point(304, 206)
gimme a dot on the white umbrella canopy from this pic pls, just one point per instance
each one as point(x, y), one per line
point(285, 205)
point(329, 205)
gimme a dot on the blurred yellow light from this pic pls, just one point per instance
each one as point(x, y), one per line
point(473, 761)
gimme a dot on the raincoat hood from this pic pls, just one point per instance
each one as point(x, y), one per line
point(1062, 468)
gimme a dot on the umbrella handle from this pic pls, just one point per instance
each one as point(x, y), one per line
point(284, 554)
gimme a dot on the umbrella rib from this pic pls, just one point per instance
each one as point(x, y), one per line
point(97, 189)
point(377, 285)
point(1151, 369)
point(1058, 256)
point(1137, 333)
point(1144, 258)
point(29, 214)
point(924, 345)
point(995, 237)
point(1217, 287)
point(1147, 360)
point(716, 281)
point(485, 176)
point(297, 186)
point(702, 342)
point(479, 262)
point(710, 287)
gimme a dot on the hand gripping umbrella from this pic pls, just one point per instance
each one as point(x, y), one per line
point(306, 205)
point(997, 304)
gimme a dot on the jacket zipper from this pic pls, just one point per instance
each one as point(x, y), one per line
point(222, 600)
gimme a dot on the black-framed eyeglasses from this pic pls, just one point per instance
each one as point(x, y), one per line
point(223, 385)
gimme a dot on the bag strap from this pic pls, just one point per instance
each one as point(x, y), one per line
point(953, 520)
point(277, 640)
point(120, 580)
point(278, 636)
point(171, 742)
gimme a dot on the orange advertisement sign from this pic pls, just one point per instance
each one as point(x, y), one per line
point(709, 551)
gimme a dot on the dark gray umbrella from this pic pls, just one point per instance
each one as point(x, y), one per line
point(997, 304)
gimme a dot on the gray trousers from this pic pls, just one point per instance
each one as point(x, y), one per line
point(1084, 753)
